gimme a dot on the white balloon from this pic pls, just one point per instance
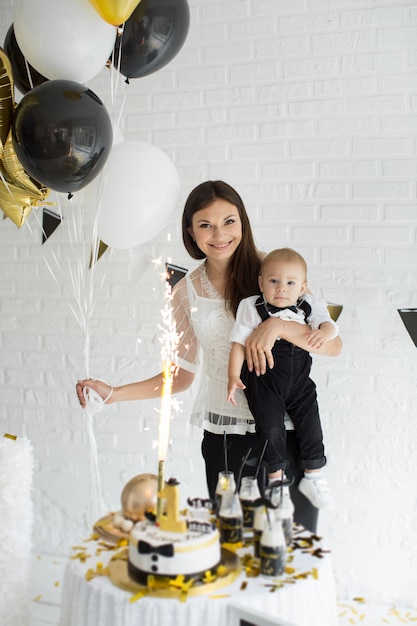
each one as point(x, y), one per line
point(63, 39)
point(138, 191)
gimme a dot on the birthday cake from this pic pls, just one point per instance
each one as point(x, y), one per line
point(174, 545)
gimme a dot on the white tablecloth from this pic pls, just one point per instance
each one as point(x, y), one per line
point(308, 601)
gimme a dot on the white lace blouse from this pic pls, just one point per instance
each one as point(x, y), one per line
point(204, 326)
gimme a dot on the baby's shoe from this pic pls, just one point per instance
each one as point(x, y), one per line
point(317, 491)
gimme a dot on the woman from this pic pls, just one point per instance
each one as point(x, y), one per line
point(216, 229)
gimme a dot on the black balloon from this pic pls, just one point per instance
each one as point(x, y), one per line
point(62, 134)
point(152, 36)
point(23, 72)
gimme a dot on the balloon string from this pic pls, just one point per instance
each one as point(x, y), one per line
point(29, 73)
point(82, 280)
point(96, 507)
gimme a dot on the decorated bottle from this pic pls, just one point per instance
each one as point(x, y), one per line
point(273, 549)
point(248, 494)
point(225, 484)
point(230, 518)
point(285, 514)
point(259, 523)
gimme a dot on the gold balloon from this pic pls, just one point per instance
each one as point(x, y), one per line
point(19, 193)
point(139, 495)
point(6, 96)
point(15, 172)
point(115, 11)
point(17, 203)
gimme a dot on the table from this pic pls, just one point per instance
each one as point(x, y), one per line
point(305, 596)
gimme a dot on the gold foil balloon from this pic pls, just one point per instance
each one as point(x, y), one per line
point(6, 96)
point(139, 495)
point(17, 209)
point(115, 11)
point(19, 193)
point(14, 171)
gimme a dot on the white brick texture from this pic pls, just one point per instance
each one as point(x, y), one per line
point(307, 107)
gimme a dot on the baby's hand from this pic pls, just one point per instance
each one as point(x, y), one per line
point(234, 383)
point(317, 338)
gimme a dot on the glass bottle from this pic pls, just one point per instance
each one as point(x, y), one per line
point(225, 483)
point(273, 549)
point(248, 494)
point(259, 523)
point(230, 518)
point(285, 514)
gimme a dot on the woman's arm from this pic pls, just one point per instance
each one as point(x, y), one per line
point(259, 344)
point(141, 390)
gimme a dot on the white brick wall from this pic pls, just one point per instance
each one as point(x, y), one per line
point(309, 108)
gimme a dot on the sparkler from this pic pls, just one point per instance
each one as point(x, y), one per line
point(169, 342)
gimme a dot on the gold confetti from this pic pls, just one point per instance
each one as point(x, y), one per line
point(37, 598)
point(222, 571)
point(138, 595)
point(208, 577)
point(182, 585)
point(99, 571)
point(82, 556)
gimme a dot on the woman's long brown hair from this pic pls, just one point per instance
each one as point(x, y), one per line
point(243, 268)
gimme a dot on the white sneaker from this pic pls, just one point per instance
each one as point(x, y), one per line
point(317, 491)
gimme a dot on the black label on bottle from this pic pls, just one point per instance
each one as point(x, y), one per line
point(272, 560)
point(230, 529)
point(248, 510)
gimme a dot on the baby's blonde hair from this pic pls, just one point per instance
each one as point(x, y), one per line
point(284, 255)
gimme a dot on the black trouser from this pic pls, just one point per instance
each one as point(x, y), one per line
point(213, 452)
point(286, 387)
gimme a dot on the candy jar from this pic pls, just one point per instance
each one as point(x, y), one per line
point(259, 523)
point(273, 549)
point(225, 483)
point(230, 518)
point(248, 494)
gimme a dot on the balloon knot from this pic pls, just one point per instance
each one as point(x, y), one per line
point(127, 81)
point(70, 195)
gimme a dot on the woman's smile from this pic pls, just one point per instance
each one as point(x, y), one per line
point(217, 229)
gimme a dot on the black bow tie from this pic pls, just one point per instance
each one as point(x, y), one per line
point(275, 309)
point(167, 549)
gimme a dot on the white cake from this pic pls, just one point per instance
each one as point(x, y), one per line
point(165, 553)
point(175, 545)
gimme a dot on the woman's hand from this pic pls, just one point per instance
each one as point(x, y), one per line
point(103, 389)
point(140, 390)
point(259, 344)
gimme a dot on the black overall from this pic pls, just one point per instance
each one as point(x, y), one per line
point(285, 388)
